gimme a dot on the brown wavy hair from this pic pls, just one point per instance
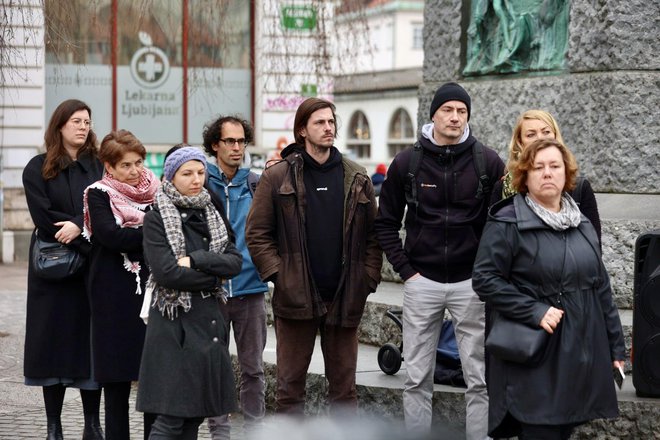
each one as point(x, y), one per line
point(304, 112)
point(525, 163)
point(117, 143)
point(57, 158)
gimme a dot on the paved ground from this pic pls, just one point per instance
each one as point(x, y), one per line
point(22, 414)
point(21, 407)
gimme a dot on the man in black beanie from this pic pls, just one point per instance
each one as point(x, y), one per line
point(447, 203)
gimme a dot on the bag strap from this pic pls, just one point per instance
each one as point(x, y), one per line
point(577, 192)
point(479, 159)
point(410, 182)
point(253, 180)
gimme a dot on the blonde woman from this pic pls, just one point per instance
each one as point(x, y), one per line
point(533, 125)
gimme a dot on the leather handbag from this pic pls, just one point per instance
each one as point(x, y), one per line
point(514, 341)
point(55, 261)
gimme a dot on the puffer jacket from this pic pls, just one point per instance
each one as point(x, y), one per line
point(275, 234)
point(522, 268)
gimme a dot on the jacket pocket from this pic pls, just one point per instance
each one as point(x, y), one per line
point(292, 290)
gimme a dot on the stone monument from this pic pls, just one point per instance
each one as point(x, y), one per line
point(593, 64)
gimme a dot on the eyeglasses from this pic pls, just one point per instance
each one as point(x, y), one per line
point(78, 123)
point(231, 142)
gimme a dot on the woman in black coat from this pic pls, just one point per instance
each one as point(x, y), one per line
point(186, 373)
point(531, 126)
point(114, 214)
point(539, 263)
point(57, 335)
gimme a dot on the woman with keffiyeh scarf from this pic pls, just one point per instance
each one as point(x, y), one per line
point(114, 209)
point(186, 373)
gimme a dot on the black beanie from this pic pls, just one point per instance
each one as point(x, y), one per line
point(450, 92)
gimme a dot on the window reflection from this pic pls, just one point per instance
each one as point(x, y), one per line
point(219, 34)
point(162, 22)
point(77, 31)
point(359, 138)
point(401, 132)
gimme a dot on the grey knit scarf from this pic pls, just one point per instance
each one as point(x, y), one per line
point(569, 215)
point(168, 199)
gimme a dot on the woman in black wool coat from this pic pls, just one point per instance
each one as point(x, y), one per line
point(539, 263)
point(114, 212)
point(57, 335)
point(186, 373)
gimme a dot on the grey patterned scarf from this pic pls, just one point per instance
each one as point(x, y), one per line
point(569, 215)
point(168, 199)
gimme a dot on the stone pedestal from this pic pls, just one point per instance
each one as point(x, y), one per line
point(605, 101)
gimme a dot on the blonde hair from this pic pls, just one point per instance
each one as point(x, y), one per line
point(515, 146)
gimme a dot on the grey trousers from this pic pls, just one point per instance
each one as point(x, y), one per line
point(247, 316)
point(424, 304)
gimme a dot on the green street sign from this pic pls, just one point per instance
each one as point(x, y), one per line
point(308, 90)
point(298, 17)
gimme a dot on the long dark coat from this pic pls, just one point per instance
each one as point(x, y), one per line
point(117, 329)
point(186, 369)
point(522, 268)
point(57, 334)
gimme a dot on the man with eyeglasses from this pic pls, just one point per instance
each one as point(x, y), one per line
point(226, 139)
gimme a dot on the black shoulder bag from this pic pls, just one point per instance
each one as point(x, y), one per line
point(54, 261)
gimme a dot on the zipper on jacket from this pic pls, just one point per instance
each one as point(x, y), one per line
point(228, 214)
point(446, 247)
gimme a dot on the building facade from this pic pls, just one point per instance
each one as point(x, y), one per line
point(159, 69)
point(377, 101)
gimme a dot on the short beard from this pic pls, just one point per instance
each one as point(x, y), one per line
point(318, 149)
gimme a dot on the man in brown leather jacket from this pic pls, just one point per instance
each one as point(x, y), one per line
point(311, 232)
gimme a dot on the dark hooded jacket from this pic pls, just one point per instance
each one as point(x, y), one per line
point(522, 268)
point(443, 234)
point(276, 238)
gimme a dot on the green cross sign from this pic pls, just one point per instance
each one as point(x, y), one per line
point(308, 90)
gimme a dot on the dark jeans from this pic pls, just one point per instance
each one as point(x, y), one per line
point(545, 432)
point(175, 428)
point(295, 344)
point(247, 316)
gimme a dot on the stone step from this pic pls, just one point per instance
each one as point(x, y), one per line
point(377, 329)
point(380, 395)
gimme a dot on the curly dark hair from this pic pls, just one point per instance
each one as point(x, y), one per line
point(213, 131)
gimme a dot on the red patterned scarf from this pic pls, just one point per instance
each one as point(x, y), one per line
point(128, 204)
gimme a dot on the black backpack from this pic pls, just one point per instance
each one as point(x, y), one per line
point(410, 183)
point(448, 369)
point(253, 180)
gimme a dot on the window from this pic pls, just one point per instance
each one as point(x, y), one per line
point(418, 36)
point(77, 32)
point(149, 68)
point(401, 133)
point(359, 137)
